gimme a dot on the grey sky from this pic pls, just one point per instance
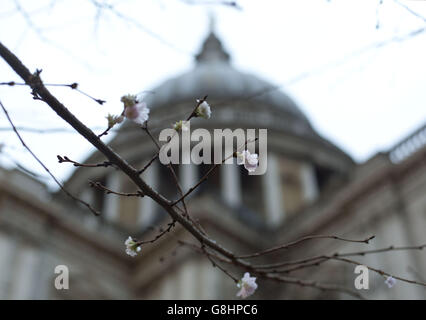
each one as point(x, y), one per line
point(362, 98)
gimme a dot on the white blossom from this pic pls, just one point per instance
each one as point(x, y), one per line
point(250, 160)
point(203, 110)
point(181, 125)
point(134, 109)
point(390, 281)
point(247, 286)
point(132, 247)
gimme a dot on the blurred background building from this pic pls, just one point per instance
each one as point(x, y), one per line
point(310, 187)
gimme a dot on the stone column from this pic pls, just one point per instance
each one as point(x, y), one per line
point(147, 206)
point(309, 182)
point(188, 176)
point(210, 281)
point(272, 192)
point(169, 290)
point(44, 274)
point(189, 280)
point(111, 204)
point(230, 184)
point(7, 253)
point(25, 274)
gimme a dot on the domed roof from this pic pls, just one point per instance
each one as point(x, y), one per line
point(263, 104)
point(214, 75)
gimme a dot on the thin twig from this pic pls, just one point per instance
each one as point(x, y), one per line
point(214, 264)
point(315, 284)
point(103, 5)
point(62, 159)
point(414, 13)
point(346, 254)
point(202, 250)
point(105, 132)
point(293, 243)
point(73, 86)
point(100, 186)
point(158, 236)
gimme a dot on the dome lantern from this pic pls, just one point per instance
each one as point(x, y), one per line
point(212, 51)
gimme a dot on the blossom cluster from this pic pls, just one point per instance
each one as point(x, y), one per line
point(134, 109)
point(203, 110)
point(247, 286)
point(113, 120)
point(132, 247)
point(249, 160)
point(390, 281)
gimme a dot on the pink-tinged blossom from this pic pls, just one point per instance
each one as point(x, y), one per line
point(247, 286)
point(250, 160)
point(138, 113)
point(203, 110)
point(132, 248)
point(135, 110)
point(390, 281)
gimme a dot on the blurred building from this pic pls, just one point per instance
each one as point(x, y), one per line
point(310, 187)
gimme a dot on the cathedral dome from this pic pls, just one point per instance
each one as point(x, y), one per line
point(241, 100)
point(214, 75)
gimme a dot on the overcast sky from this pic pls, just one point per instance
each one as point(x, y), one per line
point(362, 87)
